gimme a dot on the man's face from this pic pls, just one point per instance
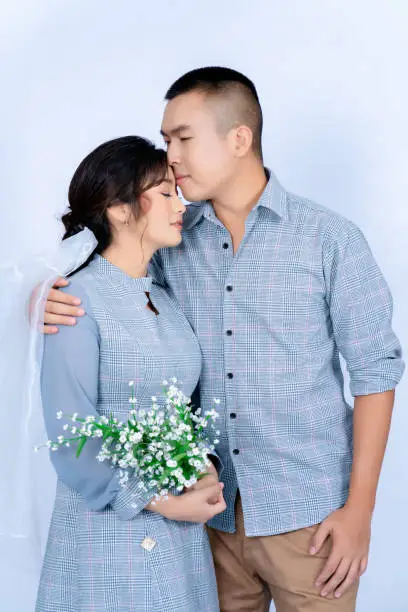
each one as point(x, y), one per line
point(201, 156)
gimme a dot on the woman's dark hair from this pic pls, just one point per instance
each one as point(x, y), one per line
point(118, 171)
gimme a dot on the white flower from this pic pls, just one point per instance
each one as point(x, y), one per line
point(60, 439)
point(217, 401)
point(135, 437)
point(59, 415)
point(171, 463)
point(165, 383)
point(75, 416)
point(131, 383)
point(65, 427)
point(174, 380)
point(154, 398)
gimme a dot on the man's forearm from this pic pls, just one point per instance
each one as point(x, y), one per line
point(372, 418)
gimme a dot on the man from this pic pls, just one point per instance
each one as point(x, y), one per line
point(275, 288)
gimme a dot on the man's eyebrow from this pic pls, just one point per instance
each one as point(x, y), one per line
point(175, 131)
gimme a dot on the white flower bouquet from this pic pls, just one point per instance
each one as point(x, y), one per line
point(166, 447)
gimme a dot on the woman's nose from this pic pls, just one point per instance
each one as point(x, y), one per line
point(179, 206)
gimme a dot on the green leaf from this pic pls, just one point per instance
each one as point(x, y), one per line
point(106, 434)
point(81, 445)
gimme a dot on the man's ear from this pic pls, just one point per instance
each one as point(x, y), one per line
point(242, 140)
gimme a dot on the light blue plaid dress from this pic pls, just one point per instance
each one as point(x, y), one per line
point(95, 560)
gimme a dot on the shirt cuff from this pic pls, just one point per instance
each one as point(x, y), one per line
point(131, 500)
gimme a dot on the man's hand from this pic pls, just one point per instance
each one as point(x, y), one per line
point(60, 308)
point(349, 530)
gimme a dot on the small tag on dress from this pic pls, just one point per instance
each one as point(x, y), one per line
point(148, 544)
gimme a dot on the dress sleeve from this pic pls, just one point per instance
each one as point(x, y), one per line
point(69, 383)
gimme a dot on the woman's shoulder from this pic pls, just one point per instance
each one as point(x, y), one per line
point(80, 285)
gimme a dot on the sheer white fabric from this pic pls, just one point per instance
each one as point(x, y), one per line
point(27, 480)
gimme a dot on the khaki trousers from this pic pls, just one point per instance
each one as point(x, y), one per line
point(252, 572)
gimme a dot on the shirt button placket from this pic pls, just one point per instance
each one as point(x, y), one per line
point(229, 374)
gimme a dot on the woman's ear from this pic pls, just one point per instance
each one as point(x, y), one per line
point(119, 214)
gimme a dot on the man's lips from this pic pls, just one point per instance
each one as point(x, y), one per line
point(180, 178)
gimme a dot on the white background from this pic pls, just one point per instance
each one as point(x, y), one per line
point(332, 79)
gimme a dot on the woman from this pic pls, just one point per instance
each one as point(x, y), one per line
point(109, 547)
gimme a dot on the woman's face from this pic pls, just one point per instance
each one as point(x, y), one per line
point(162, 218)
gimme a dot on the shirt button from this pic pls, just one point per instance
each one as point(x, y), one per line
point(225, 245)
point(233, 415)
point(230, 375)
point(229, 287)
point(229, 332)
point(235, 451)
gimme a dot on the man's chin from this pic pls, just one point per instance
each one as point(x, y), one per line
point(192, 195)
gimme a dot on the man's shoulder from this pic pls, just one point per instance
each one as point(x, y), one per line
point(328, 221)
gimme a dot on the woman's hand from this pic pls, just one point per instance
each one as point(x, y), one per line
point(195, 506)
point(210, 479)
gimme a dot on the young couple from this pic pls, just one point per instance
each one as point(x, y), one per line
point(253, 292)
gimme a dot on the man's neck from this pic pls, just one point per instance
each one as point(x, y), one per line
point(241, 194)
point(233, 205)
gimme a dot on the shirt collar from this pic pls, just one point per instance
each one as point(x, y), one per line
point(120, 280)
point(273, 197)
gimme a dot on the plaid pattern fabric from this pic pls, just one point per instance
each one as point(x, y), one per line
point(95, 561)
point(271, 321)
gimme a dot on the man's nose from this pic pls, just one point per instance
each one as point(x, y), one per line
point(173, 155)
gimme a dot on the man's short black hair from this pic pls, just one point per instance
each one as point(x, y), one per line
point(219, 81)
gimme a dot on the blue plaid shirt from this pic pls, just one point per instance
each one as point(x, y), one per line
point(271, 321)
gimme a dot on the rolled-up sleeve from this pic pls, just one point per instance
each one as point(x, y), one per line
point(361, 307)
point(69, 383)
